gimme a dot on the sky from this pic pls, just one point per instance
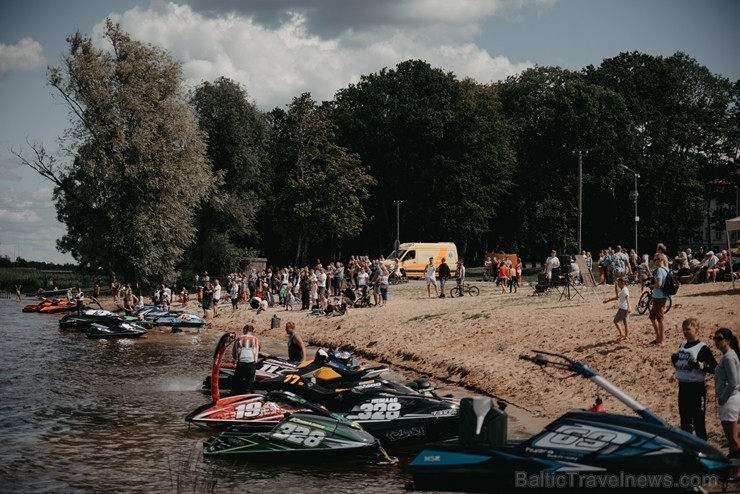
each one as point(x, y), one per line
point(278, 49)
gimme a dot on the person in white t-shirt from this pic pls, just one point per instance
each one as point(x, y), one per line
point(623, 313)
point(216, 297)
point(430, 278)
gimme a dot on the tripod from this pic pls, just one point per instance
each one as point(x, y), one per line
point(568, 284)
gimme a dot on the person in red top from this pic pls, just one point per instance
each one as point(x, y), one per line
point(246, 353)
point(503, 276)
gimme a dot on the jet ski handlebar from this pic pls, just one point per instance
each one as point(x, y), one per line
point(562, 362)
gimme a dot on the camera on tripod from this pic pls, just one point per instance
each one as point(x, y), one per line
point(566, 266)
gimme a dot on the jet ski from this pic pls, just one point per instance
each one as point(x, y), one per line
point(253, 411)
point(82, 322)
point(401, 417)
point(151, 312)
point(580, 449)
point(311, 436)
point(120, 330)
point(52, 306)
point(179, 321)
point(271, 366)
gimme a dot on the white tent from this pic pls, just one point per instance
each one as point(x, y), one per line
point(731, 225)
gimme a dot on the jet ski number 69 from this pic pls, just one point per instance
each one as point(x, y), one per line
point(377, 409)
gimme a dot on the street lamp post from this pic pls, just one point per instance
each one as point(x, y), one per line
point(736, 212)
point(580, 153)
point(634, 195)
point(397, 244)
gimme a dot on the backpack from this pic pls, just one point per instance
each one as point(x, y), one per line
point(671, 283)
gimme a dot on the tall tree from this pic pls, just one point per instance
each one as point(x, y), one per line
point(680, 113)
point(238, 139)
point(436, 143)
point(139, 168)
point(556, 112)
point(319, 186)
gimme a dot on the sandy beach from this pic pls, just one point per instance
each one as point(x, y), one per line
point(475, 343)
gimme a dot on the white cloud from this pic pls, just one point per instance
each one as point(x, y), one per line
point(27, 54)
point(276, 62)
point(19, 216)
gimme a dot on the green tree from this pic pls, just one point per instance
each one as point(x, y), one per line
point(438, 144)
point(556, 112)
point(319, 186)
point(682, 141)
point(139, 169)
point(238, 139)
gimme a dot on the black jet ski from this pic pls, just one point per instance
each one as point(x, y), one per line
point(401, 417)
point(120, 330)
point(581, 449)
point(311, 436)
point(82, 322)
point(271, 366)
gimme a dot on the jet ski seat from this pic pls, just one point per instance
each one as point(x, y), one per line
point(482, 423)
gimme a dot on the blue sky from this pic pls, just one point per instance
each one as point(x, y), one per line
point(278, 49)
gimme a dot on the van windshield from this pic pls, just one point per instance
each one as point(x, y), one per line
point(396, 254)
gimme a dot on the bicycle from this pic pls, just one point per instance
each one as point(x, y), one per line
point(460, 290)
point(646, 302)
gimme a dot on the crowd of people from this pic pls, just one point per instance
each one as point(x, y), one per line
point(504, 272)
point(320, 288)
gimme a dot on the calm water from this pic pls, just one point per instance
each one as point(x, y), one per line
point(82, 415)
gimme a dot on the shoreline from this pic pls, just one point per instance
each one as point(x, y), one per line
point(475, 342)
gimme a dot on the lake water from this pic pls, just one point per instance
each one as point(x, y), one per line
point(81, 415)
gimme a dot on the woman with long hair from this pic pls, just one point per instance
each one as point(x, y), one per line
point(726, 384)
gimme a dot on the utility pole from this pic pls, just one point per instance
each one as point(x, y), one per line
point(397, 244)
point(634, 195)
point(580, 153)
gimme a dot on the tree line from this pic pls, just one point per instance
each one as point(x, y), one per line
point(159, 180)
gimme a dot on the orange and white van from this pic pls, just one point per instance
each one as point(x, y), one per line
point(414, 257)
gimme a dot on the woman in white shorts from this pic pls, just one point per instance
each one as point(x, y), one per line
point(726, 384)
point(431, 279)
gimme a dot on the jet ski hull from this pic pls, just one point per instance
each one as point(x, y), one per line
point(299, 438)
point(121, 330)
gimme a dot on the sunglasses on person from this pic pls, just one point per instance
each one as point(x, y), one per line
point(718, 338)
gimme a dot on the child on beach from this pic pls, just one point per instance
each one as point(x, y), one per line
point(623, 314)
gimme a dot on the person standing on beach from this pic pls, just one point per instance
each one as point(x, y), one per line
point(552, 262)
point(657, 309)
point(623, 313)
point(430, 279)
point(693, 361)
point(444, 275)
point(216, 296)
point(460, 272)
point(296, 346)
point(17, 293)
point(726, 384)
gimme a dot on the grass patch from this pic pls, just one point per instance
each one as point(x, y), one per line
point(424, 317)
point(31, 280)
point(477, 315)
